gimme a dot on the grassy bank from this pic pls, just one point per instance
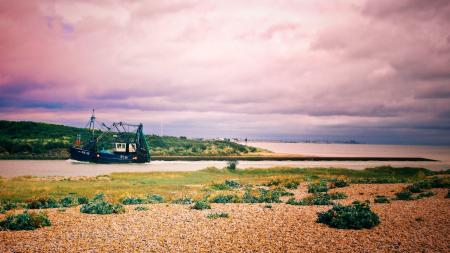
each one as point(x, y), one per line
point(196, 184)
point(35, 140)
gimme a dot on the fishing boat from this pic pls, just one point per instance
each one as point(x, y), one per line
point(117, 142)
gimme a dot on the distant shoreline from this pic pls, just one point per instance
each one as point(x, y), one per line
point(273, 157)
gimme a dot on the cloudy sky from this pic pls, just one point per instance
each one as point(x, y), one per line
point(375, 71)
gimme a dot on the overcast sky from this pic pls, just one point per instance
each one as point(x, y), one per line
point(374, 71)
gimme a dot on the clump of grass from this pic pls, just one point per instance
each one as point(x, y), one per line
point(273, 182)
point(268, 206)
point(133, 200)
point(318, 187)
point(62, 210)
point(448, 194)
point(414, 188)
point(25, 221)
point(141, 208)
point(426, 194)
point(404, 195)
point(355, 216)
point(98, 205)
point(182, 201)
point(217, 215)
point(7, 205)
point(201, 205)
point(42, 203)
point(68, 201)
point(338, 195)
point(292, 185)
point(315, 199)
point(83, 200)
point(381, 199)
point(232, 183)
point(154, 198)
point(338, 183)
point(261, 196)
point(232, 198)
point(283, 192)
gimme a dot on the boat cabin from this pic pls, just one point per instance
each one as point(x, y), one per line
point(122, 147)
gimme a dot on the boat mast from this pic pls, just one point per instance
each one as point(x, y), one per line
point(92, 123)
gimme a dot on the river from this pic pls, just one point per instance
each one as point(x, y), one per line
point(13, 168)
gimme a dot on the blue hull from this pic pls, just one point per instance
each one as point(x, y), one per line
point(84, 155)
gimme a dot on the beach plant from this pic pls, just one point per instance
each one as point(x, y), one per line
point(381, 199)
point(318, 187)
point(231, 198)
point(220, 187)
point(355, 216)
point(217, 215)
point(7, 205)
point(448, 194)
point(232, 183)
point(414, 188)
point(315, 199)
point(68, 201)
point(154, 198)
point(292, 185)
point(338, 183)
point(426, 194)
point(99, 205)
point(42, 203)
point(268, 206)
point(25, 221)
point(261, 196)
point(404, 195)
point(182, 201)
point(82, 200)
point(273, 182)
point(438, 182)
point(141, 208)
point(201, 205)
point(338, 195)
point(133, 200)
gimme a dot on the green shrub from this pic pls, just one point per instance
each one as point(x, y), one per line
point(404, 195)
point(317, 187)
point(381, 199)
point(225, 199)
point(268, 206)
point(42, 203)
point(141, 208)
point(338, 195)
point(448, 194)
point(220, 187)
point(292, 185)
point(261, 196)
point(98, 205)
point(201, 205)
point(232, 165)
point(154, 198)
point(283, 192)
point(68, 201)
point(102, 207)
point(315, 199)
point(133, 201)
point(62, 209)
point(425, 194)
point(182, 201)
point(83, 200)
point(25, 221)
point(338, 183)
point(273, 182)
point(7, 205)
point(437, 182)
point(217, 215)
point(355, 216)
point(232, 183)
point(414, 188)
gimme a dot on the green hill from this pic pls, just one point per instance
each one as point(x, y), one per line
point(24, 139)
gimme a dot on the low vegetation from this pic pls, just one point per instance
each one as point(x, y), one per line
point(318, 187)
point(201, 205)
point(141, 208)
point(426, 194)
point(25, 221)
point(404, 195)
point(261, 196)
point(217, 215)
point(231, 198)
point(355, 216)
point(42, 203)
point(182, 201)
point(381, 199)
point(338, 183)
point(99, 205)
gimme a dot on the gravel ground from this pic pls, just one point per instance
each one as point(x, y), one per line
point(250, 228)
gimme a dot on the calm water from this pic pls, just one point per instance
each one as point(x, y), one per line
point(12, 168)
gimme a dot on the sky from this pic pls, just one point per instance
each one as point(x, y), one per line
point(375, 71)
